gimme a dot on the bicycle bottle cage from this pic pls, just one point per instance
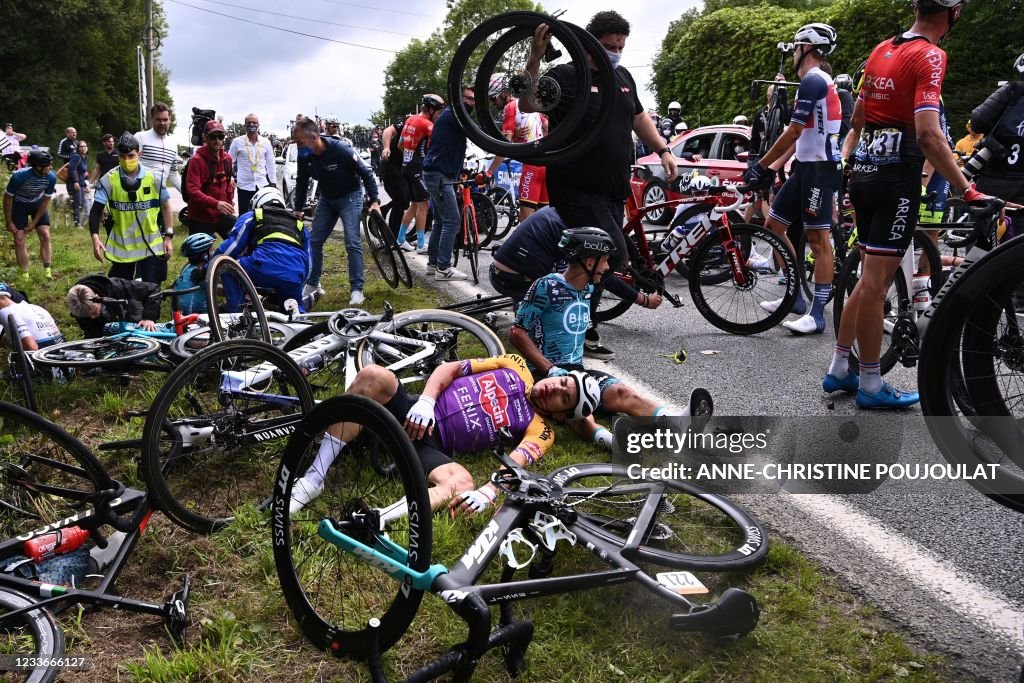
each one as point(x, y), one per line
point(508, 550)
point(550, 530)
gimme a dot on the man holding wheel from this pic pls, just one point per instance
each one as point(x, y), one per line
point(591, 191)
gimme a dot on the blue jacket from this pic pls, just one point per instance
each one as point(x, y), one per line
point(447, 151)
point(272, 258)
point(338, 170)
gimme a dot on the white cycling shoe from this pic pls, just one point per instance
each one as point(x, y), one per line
point(304, 492)
point(772, 306)
point(804, 325)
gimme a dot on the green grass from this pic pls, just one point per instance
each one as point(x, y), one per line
point(811, 629)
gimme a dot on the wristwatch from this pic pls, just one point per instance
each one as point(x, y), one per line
point(168, 234)
point(663, 150)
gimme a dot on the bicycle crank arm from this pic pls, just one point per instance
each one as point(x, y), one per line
point(672, 299)
point(391, 563)
point(176, 611)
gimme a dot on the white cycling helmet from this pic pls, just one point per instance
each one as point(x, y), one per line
point(267, 195)
point(740, 120)
point(588, 394)
point(698, 183)
point(681, 127)
point(1019, 64)
point(497, 85)
point(821, 36)
point(675, 105)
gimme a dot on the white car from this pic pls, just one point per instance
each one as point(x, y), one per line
point(288, 172)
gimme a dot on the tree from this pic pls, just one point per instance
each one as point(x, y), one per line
point(88, 80)
point(235, 129)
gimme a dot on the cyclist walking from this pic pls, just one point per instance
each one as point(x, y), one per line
point(895, 128)
point(415, 138)
point(808, 195)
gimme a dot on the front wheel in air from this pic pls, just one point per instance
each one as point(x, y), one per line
point(334, 593)
point(234, 305)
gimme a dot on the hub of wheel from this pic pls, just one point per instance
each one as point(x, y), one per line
point(1010, 349)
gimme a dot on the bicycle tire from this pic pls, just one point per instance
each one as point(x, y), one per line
point(486, 218)
point(45, 472)
point(20, 367)
point(206, 448)
point(704, 295)
point(723, 537)
point(383, 256)
point(974, 304)
point(192, 342)
point(404, 272)
point(470, 228)
point(104, 352)
point(505, 203)
point(611, 306)
point(333, 594)
point(37, 626)
point(414, 324)
point(897, 299)
point(222, 266)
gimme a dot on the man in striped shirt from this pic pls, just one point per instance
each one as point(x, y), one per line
point(159, 155)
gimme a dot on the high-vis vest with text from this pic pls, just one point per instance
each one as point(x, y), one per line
point(135, 234)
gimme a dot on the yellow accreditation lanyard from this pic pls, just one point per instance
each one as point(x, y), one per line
point(252, 160)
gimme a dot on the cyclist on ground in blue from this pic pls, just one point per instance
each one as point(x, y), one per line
point(273, 248)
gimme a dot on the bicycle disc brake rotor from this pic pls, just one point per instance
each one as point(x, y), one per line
point(549, 94)
point(751, 281)
point(1009, 348)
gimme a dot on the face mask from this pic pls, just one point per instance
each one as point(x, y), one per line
point(305, 152)
point(129, 165)
point(614, 58)
point(252, 127)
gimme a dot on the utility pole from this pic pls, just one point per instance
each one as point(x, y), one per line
point(150, 41)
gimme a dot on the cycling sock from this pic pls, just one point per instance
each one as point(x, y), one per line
point(401, 233)
point(821, 293)
point(870, 377)
point(665, 411)
point(421, 239)
point(840, 366)
point(799, 305)
point(329, 449)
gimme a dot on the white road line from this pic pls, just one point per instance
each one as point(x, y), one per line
point(979, 604)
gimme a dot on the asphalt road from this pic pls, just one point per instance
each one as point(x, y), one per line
point(937, 558)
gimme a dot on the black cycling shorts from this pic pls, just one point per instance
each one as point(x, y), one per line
point(886, 200)
point(808, 195)
point(21, 215)
point(429, 447)
point(413, 175)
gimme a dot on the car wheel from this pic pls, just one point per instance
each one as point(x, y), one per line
point(655, 192)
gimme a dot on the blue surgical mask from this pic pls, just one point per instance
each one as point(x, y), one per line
point(252, 127)
point(614, 58)
point(305, 152)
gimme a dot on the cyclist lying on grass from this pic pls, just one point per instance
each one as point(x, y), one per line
point(550, 327)
point(92, 316)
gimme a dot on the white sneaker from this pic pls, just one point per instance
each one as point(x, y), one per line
point(357, 298)
point(407, 246)
point(772, 306)
point(804, 325)
point(422, 250)
point(450, 274)
point(304, 493)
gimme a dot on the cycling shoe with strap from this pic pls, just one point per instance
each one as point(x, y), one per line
point(850, 384)
point(887, 397)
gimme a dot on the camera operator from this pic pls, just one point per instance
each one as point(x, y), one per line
point(1001, 118)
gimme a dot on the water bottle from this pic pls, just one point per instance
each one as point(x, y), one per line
point(313, 363)
point(59, 542)
point(922, 292)
point(674, 237)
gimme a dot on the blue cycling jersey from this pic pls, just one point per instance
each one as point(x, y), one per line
point(28, 187)
point(195, 302)
point(556, 315)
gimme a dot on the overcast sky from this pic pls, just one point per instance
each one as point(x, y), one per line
point(236, 67)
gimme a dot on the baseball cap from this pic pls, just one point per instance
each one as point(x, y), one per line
point(214, 125)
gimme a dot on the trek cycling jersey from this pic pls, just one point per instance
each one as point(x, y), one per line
point(903, 77)
point(820, 112)
point(492, 394)
point(31, 321)
point(28, 187)
point(520, 127)
point(556, 315)
point(415, 138)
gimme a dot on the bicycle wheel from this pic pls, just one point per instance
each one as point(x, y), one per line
point(19, 366)
point(455, 337)
point(692, 529)
point(734, 307)
point(486, 218)
point(897, 305)
point(92, 353)
point(333, 594)
point(224, 275)
point(380, 250)
point(507, 212)
point(210, 442)
point(45, 473)
point(404, 272)
point(611, 306)
point(32, 634)
point(470, 227)
point(192, 342)
point(977, 324)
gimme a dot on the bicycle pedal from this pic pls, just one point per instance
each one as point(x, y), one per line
point(177, 611)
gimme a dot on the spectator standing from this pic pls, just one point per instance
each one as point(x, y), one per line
point(136, 245)
point(339, 171)
point(78, 181)
point(211, 188)
point(1002, 117)
point(965, 145)
point(441, 165)
point(415, 138)
point(254, 158)
point(159, 155)
point(391, 174)
point(844, 88)
point(375, 149)
point(25, 203)
point(67, 146)
point(12, 150)
point(106, 158)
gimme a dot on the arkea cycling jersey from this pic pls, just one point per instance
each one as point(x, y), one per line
point(415, 138)
point(820, 112)
point(28, 187)
point(31, 321)
point(492, 394)
point(520, 127)
point(556, 315)
point(903, 76)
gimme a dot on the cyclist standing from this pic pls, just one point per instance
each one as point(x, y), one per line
point(1001, 116)
point(391, 174)
point(26, 201)
point(895, 128)
point(808, 194)
point(415, 138)
point(519, 127)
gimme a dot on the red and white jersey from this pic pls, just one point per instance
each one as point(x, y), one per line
point(520, 127)
point(819, 111)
